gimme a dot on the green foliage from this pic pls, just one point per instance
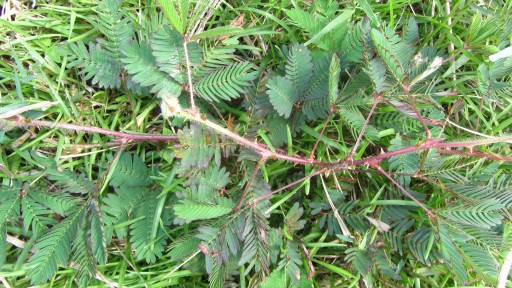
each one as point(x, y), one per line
point(248, 184)
point(226, 83)
point(142, 65)
point(54, 247)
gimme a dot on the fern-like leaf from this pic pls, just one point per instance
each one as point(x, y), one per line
point(377, 72)
point(357, 41)
point(96, 64)
point(199, 146)
point(35, 216)
point(130, 171)
point(355, 121)
point(141, 64)
point(411, 34)
point(54, 247)
point(9, 204)
point(316, 96)
point(96, 235)
point(483, 215)
point(334, 78)
point(190, 210)
point(299, 67)
point(420, 244)
point(112, 21)
point(291, 262)
point(116, 207)
point(71, 182)
point(405, 163)
point(451, 254)
point(226, 83)
point(388, 53)
point(147, 235)
point(361, 260)
point(306, 21)
point(59, 203)
point(255, 247)
point(283, 95)
point(167, 47)
point(82, 256)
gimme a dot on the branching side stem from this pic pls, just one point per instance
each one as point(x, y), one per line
point(378, 99)
point(189, 75)
point(429, 212)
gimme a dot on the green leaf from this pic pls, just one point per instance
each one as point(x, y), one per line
point(223, 31)
point(82, 256)
point(388, 52)
point(113, 22)
point(97, 238)
point(71, 182)
point(167, 47)
point(147, 235)
point(484, 215)
point(198, 147)
point(291, 262)
point(377, 72)
point(190, 210)
point(369, 12)
point(360, 259)
point(96, 64)
point(451, 255)
point(299, 68)
point(172, 15)
point(334, 79)
point(141, 64)
point(226, 83)
point(315, 100)
point(283, 95)
point(35, 216)
point(405, 163)
point(341, 19)
point(53, 248)
point(8, 209)
point(307, 21)
point(411, 33)
point(130, 171)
